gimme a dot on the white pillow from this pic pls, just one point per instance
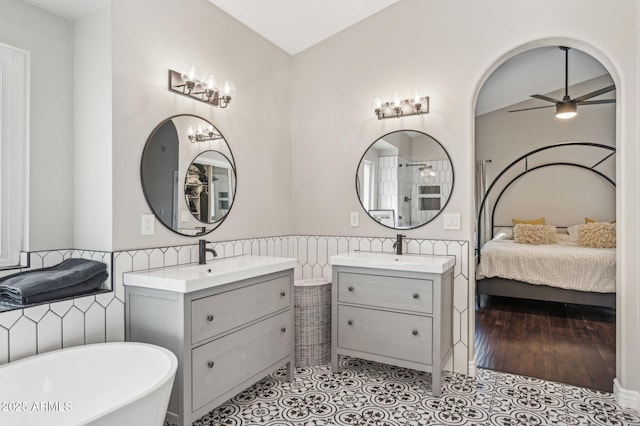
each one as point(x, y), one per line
point(573, 232)
point(503, 234)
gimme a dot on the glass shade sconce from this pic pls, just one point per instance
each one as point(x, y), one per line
point(398, 107)
point(203, 134)
point(204, 88)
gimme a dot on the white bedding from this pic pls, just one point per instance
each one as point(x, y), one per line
point(564, 265)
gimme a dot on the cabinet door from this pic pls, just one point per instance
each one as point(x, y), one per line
point(401, 336)
point(222, 364)
point(407, 294)
point(216, 314)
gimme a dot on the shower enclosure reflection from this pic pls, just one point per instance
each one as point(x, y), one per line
point(404, 179)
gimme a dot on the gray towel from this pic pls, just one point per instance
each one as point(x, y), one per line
point(62, 280)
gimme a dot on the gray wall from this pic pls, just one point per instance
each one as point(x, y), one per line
point(151, 37)
point(564, 195)
point(49, 39)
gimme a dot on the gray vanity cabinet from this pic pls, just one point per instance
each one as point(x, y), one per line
point(394, 317)
point(226, 337)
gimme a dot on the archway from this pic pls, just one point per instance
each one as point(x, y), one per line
point(512, 150)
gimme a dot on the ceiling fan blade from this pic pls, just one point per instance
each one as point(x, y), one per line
point(546, 98)
point(595, 93)
point(527, 109)
point(596, 102)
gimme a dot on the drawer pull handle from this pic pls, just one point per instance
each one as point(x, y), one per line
point(414, 332)
point(283, 329)
point(350, 322)
point(283, 294)
point(210, 364)
point(350, 288)
point(416, 295)
point(209, 318)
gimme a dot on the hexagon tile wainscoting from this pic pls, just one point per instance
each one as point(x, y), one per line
point(50, 326)
point(100, 318)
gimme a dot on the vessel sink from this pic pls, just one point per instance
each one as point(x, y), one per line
point(407, 262)
point(193, 277)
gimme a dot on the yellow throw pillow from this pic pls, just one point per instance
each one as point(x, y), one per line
point(597, 235)
point(589, 220)
point(524, 233)
point(539, 221)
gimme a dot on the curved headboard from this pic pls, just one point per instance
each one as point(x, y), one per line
point(499, 182)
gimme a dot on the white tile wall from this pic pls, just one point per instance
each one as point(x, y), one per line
point(100, 318)
point(51, 326)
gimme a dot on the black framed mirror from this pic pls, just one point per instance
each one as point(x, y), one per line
point(188, 175)
point(404, 179)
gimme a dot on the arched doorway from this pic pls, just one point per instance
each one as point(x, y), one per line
point(550, 339)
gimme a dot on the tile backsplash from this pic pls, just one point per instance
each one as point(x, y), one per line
point(100, 318)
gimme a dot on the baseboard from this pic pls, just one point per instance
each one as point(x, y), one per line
point(626, 398)
point(472, 368)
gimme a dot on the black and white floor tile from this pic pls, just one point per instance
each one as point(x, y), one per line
point(370, 394)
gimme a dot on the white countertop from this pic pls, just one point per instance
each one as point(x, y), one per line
point(434, 264)
point(193, 277)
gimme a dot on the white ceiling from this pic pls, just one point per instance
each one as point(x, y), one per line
point(295, 25)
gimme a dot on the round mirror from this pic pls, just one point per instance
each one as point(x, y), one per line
point(188, 175)
point(404, 180)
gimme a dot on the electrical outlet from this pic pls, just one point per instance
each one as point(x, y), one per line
point(355, 219)
point(148, 224)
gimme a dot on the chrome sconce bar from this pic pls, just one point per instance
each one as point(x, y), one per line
point(208, 89)
point(397, 107)
point(203, 134)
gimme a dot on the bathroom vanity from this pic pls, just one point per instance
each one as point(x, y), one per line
point(229, 322)
point(393, 309)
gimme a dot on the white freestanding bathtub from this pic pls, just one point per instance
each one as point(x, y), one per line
point(103, 384)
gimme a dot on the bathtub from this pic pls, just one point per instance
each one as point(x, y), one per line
point(101, 384)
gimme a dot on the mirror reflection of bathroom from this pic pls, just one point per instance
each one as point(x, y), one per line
point(208, 186)
point(404, 179)
point(188, 175)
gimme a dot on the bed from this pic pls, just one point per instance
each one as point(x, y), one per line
point(561, 272)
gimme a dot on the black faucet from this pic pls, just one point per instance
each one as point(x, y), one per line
point(398, 244)
point(202, 252)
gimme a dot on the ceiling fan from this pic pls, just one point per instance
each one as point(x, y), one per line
point(567, 107)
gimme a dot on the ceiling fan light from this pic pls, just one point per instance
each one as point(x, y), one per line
point(566, 110)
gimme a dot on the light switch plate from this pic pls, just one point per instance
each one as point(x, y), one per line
point(355, 219)
point(184, 216)
point(452, 221)
point(148, 225)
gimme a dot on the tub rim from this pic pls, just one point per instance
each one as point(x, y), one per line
point(173, 365)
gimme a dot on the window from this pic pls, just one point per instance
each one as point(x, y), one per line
point(14, 176)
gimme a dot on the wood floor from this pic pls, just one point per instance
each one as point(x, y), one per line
point(553, 341)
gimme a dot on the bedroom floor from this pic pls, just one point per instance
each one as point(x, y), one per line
point(564, 343)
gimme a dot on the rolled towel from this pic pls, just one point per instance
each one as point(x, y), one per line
point(38, 285)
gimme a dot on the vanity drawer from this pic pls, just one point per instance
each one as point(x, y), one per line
point(216, 314)
point(407, 294)
point(401, 336)
point(222, 364)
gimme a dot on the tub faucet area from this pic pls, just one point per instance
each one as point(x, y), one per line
point(398, 244)
point(202, 252)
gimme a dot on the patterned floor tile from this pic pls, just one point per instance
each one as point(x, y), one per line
point(366, 393)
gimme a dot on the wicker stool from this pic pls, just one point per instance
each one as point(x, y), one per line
point(312, 321)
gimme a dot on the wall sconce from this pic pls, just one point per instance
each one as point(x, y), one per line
point(202, 134)
point(204, 89)
point(397, 107)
